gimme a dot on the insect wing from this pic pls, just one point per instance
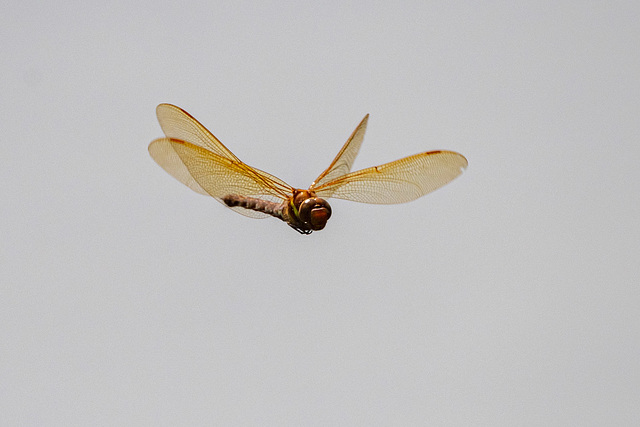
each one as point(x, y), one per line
point(178, 124)
point(162, 152)
point(217, 176)
point(397, 182)
point(342, 163)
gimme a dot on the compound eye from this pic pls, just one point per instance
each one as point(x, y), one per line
point(320, 214)
point(315, 212)
point(305, 210)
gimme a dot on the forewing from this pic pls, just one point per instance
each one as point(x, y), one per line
point(209, 173)
point(399, 181)
point(178, 124)
point(341, 165)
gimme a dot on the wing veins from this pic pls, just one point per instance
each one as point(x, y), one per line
point(399, 181)
point(342, 163)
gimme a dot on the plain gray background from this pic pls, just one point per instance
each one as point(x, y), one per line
point(508, 297)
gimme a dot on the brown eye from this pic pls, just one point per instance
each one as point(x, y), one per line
point(319, 216)
point(305, 210)
point(315, 212)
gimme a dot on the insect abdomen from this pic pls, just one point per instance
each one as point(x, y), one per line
point(270, 208)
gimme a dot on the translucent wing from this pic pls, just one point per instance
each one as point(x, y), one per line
point(208, 173)
point(399, 181)
point(195, 157)
point(341, 165)
point(178, 124)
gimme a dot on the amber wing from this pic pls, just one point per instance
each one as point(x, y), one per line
point(397, 182)
point(195, 157)
point(178, 124)
point(342, 163)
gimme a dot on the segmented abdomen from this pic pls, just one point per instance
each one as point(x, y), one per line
point(270, 208)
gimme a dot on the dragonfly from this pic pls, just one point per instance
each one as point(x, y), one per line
point(195, 157)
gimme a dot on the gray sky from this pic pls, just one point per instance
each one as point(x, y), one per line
point(508, 297)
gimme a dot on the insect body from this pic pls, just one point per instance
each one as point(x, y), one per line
point(199, 160)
